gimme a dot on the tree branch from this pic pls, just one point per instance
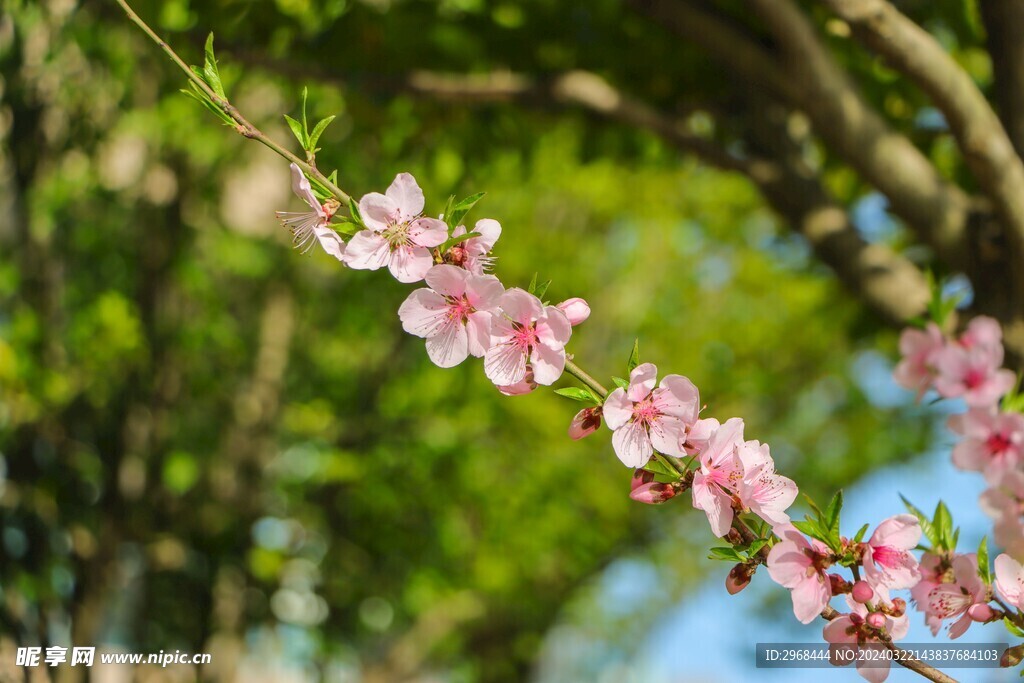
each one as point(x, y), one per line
point(935, 209)
point(1004, 21)
point(986, 147)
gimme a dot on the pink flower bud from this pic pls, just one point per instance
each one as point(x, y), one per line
point(876, 620)
point(586, 422)
point(640, 477)
point(738, 578)
point(981, 612)
point(862, 592)
point(652, 493)
point(576, 310)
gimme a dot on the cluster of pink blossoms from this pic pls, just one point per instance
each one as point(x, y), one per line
point(463, 310)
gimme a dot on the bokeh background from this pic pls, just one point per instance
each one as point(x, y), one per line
point(209, 442)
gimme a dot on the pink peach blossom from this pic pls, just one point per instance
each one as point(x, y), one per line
point(985, 332)
point(526, 332)
point(576, 310)
point(311, 226)
point(1010, 580)
point(719, 476)
point(974, 374)
point(699, 435)
point(644, 418)
point(953, 599)
point(396, 235)
point(887, 558)
point(453, 313)
point(765, 493)
point(1004, 503)
point(799, 564)
point(993, 441)
point(474, 253)
point(919, 349)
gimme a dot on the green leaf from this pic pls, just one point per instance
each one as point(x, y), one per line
point(200, 96)
point(210, 72)
point(542, 288)
point(983, 567)
point(533, 284)
point(809, 527)
point(459, 239)
point(860, 534)
point(353, 212)
point(726, 554)
point(831, 517)
point(1013, 628)
point(448, 211)
point(756, 546)
point(318, 130)
point(813, 505)
point(620, 383)
point(658, 467)
point(345, 226)
point(926, 525)
point(576, 394)
point(459, 211)
point(305, 126)
point(634, 356)
point(297, 130)
point(943, 523)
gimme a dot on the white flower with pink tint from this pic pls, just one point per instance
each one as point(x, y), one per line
point(973, 373)
point(576, 310)
point(396, 235)
point(719, 476)
point(953, 599)
point(984, 332)
point(308, 227)
point(993, 441)
point(526, 332)
point(453, 315)
point(1010, 580)
point(698, 436)
point(1004, 503)
point(861, 630)
point(646, 419)
point(474, 253)
point(887, 558)
point(765, 493)
point(919, 349)
point(799, 564)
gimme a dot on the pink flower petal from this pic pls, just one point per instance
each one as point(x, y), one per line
point(678, 396)
point(410, 264)
point(641, 381)
point(617, 409)
point(521, 306)
point(367, 251)
point(484, 292)
point(331, 242)
point(899, 531)
point(553, 328)
point(378, 211)
point(423, 313)
point(428, 232)
point(407, 196)
point(548, 364)
point(449, 346)
point(505, 364)
point(490, 231)
point(478, 331)
point(632, 445)
point(301, 187)
point(668, 434)
point(810, 597)
point(447, 280)
point(576, 310)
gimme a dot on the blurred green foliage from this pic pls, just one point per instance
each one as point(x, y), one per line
point(210, 439)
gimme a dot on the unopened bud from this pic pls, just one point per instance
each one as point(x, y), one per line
point(640, 477)
point(1012, 656)
point(981, 612)
point(862, 592)
point(576, 310)
point(838, 584)
point(739, 578)
point(585, 422)
point(876, 620)
point(652, 493)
